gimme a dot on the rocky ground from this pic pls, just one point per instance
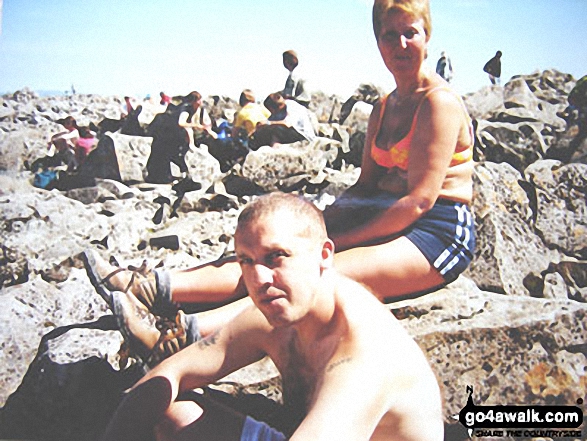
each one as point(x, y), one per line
point(513, 326)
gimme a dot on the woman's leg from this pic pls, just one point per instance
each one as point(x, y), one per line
point(391, 269)
point(214, 282)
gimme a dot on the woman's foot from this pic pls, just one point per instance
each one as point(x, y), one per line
point(107, 278)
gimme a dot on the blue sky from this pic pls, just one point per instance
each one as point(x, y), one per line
point(139, 47)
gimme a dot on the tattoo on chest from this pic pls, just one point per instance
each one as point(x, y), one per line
point(338, 363)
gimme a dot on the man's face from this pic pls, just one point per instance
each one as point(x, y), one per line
point(281, 267)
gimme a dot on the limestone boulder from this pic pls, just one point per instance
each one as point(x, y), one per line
point(481, 339)
point(503, 222)
point(561, 199)
point(268, 167)
point(485, 102)
point(40, 230)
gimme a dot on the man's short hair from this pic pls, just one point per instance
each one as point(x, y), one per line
point(246, 97)
point(274, 102)
point(306, 214)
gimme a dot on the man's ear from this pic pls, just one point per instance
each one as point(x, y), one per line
point(327, 254)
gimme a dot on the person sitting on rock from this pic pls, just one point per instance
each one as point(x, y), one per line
point(196, 120)
point(64, 143)
point(165, 99)
point(578, 101)
point(344, 376)
point(294, 86)
point(248, 117)
point(86, 142)
point(174, 132)
point(289, 122)
point(403, 229)
point(127, 108)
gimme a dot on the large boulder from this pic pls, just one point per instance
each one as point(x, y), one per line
point(503, 221)
point(269, 167)
point(561, 199)
point(512, 350)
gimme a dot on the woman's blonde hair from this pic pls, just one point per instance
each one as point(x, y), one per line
point(415, 8)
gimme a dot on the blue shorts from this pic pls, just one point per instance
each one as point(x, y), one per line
point(254, 430)
point(445, 235)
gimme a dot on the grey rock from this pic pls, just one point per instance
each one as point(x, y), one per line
point(484, 340)
point(503, 218)
point(561, 195)
point(268, 166)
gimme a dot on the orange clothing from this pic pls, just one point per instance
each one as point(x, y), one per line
point(398, 155)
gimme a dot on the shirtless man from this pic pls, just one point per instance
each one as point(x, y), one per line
point(349, 369)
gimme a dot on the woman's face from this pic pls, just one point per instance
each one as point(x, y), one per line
point(402, 43)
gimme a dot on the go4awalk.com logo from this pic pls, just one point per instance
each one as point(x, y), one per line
point(521, 421)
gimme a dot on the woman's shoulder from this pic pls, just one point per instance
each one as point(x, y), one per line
point(439, 94)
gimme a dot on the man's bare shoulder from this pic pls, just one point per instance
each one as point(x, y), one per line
point(375, 332)
point(356, 301)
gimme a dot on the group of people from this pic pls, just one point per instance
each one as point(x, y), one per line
point(306, 287)
point(283, 118)
point(82, 156)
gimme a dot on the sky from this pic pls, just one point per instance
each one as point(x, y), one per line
point(219, 47)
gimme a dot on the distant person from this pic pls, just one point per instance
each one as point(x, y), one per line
point(101, 162)
point(350, 371)
point(295, 87)
point(493, 68)
point(578, 101)
point(86, 142)
point(170, 144)
point(126, 108)
point(165, 99)
point(289, 122)
point(196, 120)
point(578, 106)
point(250, 114)
point(444, 67)
point(64, 143)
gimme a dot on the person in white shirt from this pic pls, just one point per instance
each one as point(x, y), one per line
point(295, 87)
point(289, 122)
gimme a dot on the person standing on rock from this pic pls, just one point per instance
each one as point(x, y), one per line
point(444, 67)
point(344, 377)
point(493, 68)
point(295, 87)
point(405, 228)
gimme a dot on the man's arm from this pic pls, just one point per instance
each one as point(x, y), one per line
point(238, 344)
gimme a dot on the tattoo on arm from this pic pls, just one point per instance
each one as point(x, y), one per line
point(338, 363)
point(211, 340)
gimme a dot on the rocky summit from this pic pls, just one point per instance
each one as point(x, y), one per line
point(513, 327)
